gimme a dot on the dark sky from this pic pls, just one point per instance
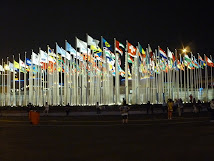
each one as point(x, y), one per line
point(34, 24)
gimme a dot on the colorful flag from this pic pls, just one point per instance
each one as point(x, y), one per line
point(143, 54)
point(70, 48)
point(106, 44)
point(28, 62)
point(118, 45)
point(82, 46)
point(209, 62)
point(171, 55)
point(43, 57)
point(16, 64)
point(130, 59)
point(186, 57)
point(50, 52)
point(162, 53)
point(132, 51)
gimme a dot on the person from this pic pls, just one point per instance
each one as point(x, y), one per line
point(164, 105)
point(212, 110)
point(98, 108)
point(46, 108)
point(67, 109)
point(180, 107)
point(199, 106)
point(124, 109)
point(170, 108)
point(195, 110)
point(190, 97)
point(148, 106)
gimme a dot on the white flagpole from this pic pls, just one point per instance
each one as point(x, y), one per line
point(25, 84)
point(212, 84)
point(126, 74)
point(14, 88)
point(19, 82)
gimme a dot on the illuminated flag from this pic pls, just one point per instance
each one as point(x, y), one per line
point(28, 62)
point(132, 51)
point(50, 52)
point(43, 57)
point(186, 57)
point(82, 46)
point(202, 62)
point(162, 53)
point(16, 64)
point(209, 62)
point(35, 59)
point(171, 55)
point(142, 52)
point(70, 49)
point(118, 45)
point(106, 44)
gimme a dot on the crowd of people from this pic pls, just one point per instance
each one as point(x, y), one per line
point(170, 106)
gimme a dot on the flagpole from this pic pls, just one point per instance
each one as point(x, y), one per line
point(212, 84)
point(25, 98)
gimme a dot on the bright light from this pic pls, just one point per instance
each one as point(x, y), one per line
point(184, 50)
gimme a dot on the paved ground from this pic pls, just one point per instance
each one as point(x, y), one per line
point(104, 138)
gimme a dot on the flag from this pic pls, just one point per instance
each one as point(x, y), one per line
point(59, 50)
point(162, 53)
point(132, 51)
point(118, 45)
point(130, 59)
point(150, 52)
point(186, 57)
point(35, 58)
point(202, 62)
point(43, 57)
point(143, 54)
point(11, 66)
point(50, 52)
point(82, 46)
point(70, 49)
point(28, 62)
point(171, 55)
point(21, 63)
point(209, 62)
point(16, 64)
point(66, 54)
point(106, 45)
point(1, 68)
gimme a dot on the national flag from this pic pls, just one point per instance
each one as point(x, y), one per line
point(1, 68)
point(16, 64)
point(61, 51)
point(150, 52)
point(118, 45)
point(186, 57)
point(202, 62)
point(132, 51)
point(6, 67)
point(171, 55)
point(51, 52)
point(130, 59)
point(28, 62)
point(142, 52)
point(162, 53)
point(106, 44)
point(35, 58)
point(11, 66)
point(82, 46)
point(209, 62)
point(43, 57)
point(21, 63)
point(70, 49)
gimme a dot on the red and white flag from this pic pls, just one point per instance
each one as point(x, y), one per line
point(118, 45)
point(209, 62)
point(132, 51)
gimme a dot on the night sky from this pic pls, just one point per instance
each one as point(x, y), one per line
point(169, 23)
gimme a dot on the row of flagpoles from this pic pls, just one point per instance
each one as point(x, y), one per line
point(88, 74)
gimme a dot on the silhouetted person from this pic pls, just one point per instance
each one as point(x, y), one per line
point(67, 109)
point(148, 105)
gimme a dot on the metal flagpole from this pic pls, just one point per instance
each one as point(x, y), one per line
point(19, 82)
point(14, 88)
point(25, 84)
point(211, 82)
point(126, 74)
